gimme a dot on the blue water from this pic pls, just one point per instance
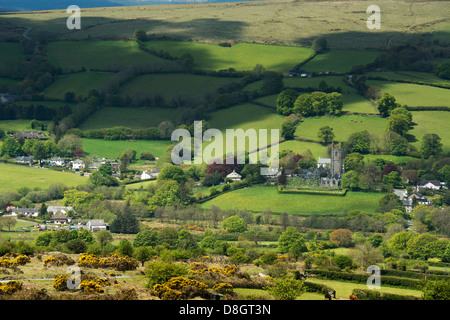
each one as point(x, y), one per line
point(63, 4)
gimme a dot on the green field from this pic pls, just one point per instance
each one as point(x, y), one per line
point(431, 122)
point(241, 56)
point(13, 177)
point(110, 149)
point(98, 55)
point(134, 118)
point(388, 158)
point(410, 76)
point(79, 83)
point(260, 198)
point(414, 94)
point(170, 85)
point(342, 126)
point(358, 104)
point(300, 147)
point(16, 125)
point(338, 60)
point(11, 52)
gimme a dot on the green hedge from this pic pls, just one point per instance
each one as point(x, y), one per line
point(367, 294)
point(311, 191)
point(362, 278)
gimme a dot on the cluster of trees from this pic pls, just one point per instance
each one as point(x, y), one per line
point(309, 104)
point(38, 112)
point(121, 133)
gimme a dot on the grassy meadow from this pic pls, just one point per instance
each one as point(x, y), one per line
point(110, 149)
point(260, 198)
point(414, 94)
point(13, 177)
point(79, 83)
point(134, 118)
point(170, 85)
point(338, 60)
point(98, 55)
point(240, 56)
point(300, 147)
point(431, 122)
point(342, 126)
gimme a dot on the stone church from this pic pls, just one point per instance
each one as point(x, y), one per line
point(336, 168)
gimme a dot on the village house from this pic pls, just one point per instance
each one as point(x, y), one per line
point(96, 225)
point(7, 98)
point(59, 209)
point(30, 135)
point(324, 162)
point(145, 175)
point(24, 159)
point(418, 198)
point(234, 176)
point(25, 212)
point(77, 164)
point(56, 162)
point(60, 219)
point(430, 184)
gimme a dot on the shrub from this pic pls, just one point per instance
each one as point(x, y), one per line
point(10, 287)
point(223, 288)
point(180, 288)
point(21, 260)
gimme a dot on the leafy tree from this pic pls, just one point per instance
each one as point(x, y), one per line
point(286, 288)
point(272, 83)
point(213, 179)
point(343, 261)
point(359, 142)
point(399, 241)
point(443, 70)
point(399, 146)
point(350, 180)
point(159, 272)
point(140, 35)
point(285, 101)
point(386, 104)
point(353, 161)
point(145, 238)
point(125, 248)
point(335, 102)
point(436, 290)
point(68, 144)
point(291, 240)
point(143, 254)
point(76, 245)
point(173, 172)
point(234, 224)
point(69, 96)
point(167, 194)
point(288, 128)
point(103, 238)
point(319, 45)
point(342, 237)
point(431, 145)
point(398, 123)
point(303, 105)
point(326, 135)
point(393, 178)
point(186, 241)
point(125, 222)
point(43, 239)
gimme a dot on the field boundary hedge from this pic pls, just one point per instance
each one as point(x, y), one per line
point(362, 278)
point(367, 294)
point(340, 193)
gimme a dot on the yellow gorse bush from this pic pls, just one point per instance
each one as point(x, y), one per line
point(199, 267)
point(113, 261)
point(8, 262)
point(180, 288)
point(223, 288)
point(10, 287)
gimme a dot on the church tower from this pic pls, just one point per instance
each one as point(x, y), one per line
point(336, 160)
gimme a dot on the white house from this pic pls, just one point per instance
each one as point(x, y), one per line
point(24, 159)
point(28, 212)
point(150, 175)
point(234, 176)
point(96, 225)
point(57, 162)
point(77, 164)
point(324, 162)
point(429, 184)
point(59, 209)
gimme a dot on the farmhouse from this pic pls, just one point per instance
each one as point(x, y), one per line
point(24, 159)
point(59, 209)
point(30, 134)
point(60, 219)
point(429, 184)
point(150, 175)
point(56, 162)
point(96, 225)
point(25, 212)
point(7, 98)
point(299, 73)
point(234, 176)
point(77, 164)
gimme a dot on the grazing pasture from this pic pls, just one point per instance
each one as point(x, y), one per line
point(14, 177)
point(260, 198)
point(110, 149)
point(240, 56)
